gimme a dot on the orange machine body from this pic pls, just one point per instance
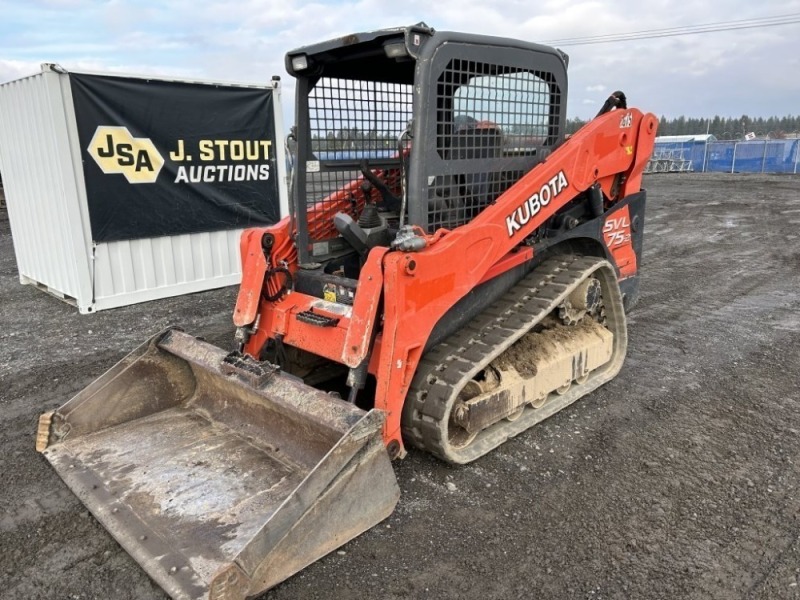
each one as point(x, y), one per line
point(401, 296)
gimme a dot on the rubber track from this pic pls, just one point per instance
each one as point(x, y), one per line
point(445, 369)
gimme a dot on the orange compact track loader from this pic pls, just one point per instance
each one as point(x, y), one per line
point(454, 270)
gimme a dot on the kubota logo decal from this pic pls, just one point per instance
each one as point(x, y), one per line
point(115, 150)
point(528, 209)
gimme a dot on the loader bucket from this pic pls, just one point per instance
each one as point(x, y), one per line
point(220, 476)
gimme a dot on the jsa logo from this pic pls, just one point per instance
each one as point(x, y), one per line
point(617, 231)
point(115, 150)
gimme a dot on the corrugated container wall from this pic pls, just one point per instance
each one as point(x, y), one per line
point(40, 161)
point(51, 240)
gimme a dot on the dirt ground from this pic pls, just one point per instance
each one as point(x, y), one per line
point(679, 479)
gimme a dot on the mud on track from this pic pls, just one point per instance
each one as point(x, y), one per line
point(679, 479)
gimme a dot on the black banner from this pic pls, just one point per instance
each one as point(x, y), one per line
point(167, 158)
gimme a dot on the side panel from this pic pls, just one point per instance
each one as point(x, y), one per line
point(591, 238)
point(629, 286)
point(41, 186)
point(617, 238)
point(127, 272)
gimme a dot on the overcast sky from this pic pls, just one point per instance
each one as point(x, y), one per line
point(754, 72)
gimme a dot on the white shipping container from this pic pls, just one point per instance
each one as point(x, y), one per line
point(42, 170)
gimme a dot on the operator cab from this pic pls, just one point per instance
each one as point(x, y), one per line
point(413, 126)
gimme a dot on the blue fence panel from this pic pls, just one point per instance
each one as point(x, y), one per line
point(698, 156)
point(781, 156)
point(755, 156)
point(719, 156)
point(749, 157)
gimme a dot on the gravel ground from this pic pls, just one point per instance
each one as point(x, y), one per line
point(679, 479)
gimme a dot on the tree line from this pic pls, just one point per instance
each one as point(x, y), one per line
point(724, 128)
